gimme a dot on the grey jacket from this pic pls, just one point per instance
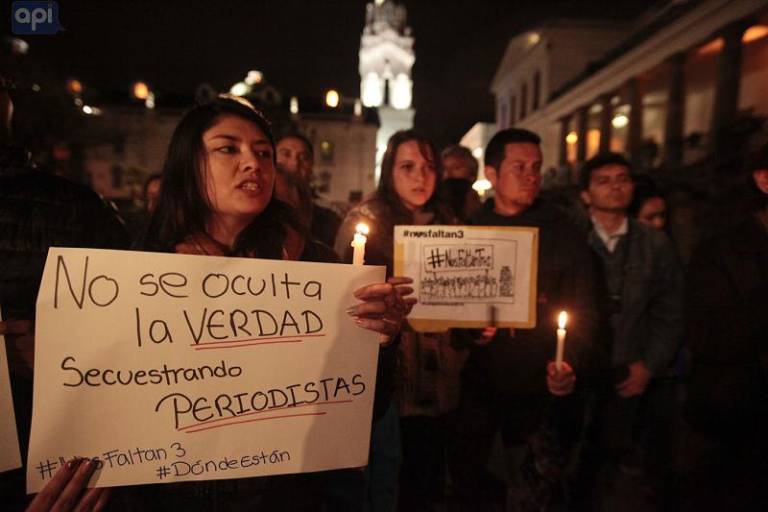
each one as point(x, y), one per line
point(646, 322)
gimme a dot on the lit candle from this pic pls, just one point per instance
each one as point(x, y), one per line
point(358, 243)
point(561, 320)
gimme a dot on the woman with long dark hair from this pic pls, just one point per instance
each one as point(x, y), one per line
point(217, 199)
point(210, 194)
point(410, 175)
point(425, 387)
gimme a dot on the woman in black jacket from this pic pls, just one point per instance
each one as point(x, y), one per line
point(217, 199)
point(422, 373)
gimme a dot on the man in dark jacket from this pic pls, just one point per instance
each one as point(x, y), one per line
point(296, 156)
point(642, 287)
point(509, 382)
point(727, 334)
point(641, 300)
point(37, 211)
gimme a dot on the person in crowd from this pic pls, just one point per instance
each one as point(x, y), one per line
point(459, 163)
point(727, 335)
point(427, 383)
point(462, 199)
point(459, 174)
point(38, 210)
point(293, 191)
point(641, 300)
point(136, 219)
point(152, 192)
point(648, 205)
point(659, 430)
point(296, 156)
point(300, 244)
point(510, 381)
point(217, 199)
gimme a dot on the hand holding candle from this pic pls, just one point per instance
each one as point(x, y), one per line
point(561, 321)
point(358, 243)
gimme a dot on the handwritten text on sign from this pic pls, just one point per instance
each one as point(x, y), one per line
point(460, 272)
point(175, 367)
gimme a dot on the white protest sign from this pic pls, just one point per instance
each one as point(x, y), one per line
point(10, 458)
point(464, 275)
point(172, 367)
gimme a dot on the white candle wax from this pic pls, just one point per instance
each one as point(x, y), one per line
point(560, 348)
point(562, 319)
point(358, 243)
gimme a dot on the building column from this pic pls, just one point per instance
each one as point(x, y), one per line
point(673, 131)
point(563, 157)
point(728, 80)
point(635, 128)
point(581, 131)
point(606, 116)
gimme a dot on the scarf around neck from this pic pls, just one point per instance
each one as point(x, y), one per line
point(203, 244)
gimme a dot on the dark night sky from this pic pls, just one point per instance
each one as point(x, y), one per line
point(303, 47)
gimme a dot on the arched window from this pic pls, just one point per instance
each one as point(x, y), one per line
point(372, 90)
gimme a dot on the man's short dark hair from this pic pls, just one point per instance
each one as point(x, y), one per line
point(494, 151)
point(298, 136)
point(645, 189)
point(598, 161)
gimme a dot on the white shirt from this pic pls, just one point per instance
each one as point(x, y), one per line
point(610, 241)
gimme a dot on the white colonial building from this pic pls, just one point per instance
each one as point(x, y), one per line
point(344, 143)
point(386, 60)
point(123, 145)
point(659, 90)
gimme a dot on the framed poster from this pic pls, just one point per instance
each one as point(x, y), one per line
point(469, 276)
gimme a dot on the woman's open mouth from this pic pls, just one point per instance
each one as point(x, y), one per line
point(251, 186)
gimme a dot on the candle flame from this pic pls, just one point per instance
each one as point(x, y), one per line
point(562, 319)
point(362, 229)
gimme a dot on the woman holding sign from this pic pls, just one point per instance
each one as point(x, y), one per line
point(426, 384)
point(217, 199)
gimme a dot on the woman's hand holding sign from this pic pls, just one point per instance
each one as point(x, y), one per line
point(402, 286)
point(67, 490)
point(384, 306)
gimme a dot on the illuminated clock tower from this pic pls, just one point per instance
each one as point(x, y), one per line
point(386, 60)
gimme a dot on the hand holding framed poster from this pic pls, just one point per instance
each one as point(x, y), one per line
point(169, 367)
point(465, 275)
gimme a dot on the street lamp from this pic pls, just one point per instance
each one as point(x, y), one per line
point(140, 90)
point(240, 89)
point(74, 86)
point(332, 98)
point(254, 77)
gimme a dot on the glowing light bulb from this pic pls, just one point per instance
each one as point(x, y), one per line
point(332, 98)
